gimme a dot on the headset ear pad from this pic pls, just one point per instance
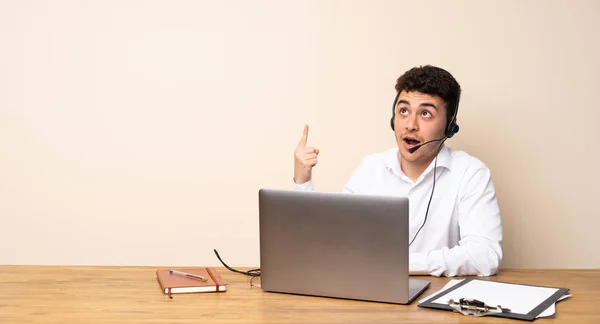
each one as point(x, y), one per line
point(452, 129)
point(453, 126)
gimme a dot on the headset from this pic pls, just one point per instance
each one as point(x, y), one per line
point(451, 128)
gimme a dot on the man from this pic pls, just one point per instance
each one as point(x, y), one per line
point(456, 231)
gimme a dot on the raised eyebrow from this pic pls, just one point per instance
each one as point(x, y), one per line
point(401, 101)
point(425, 104)
point(428, 104)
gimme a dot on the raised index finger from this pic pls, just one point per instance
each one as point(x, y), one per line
point(304, 137)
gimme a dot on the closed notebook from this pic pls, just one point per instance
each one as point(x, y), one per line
point(176, 284)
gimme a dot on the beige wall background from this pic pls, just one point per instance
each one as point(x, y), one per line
point(139, 132)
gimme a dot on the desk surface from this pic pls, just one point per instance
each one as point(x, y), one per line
point(55, 294)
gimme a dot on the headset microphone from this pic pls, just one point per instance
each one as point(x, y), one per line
point(413, 149)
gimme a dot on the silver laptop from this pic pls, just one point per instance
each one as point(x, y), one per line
point(336, 245)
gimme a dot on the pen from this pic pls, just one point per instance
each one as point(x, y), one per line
point(185, 274)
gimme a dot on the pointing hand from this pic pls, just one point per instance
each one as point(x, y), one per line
point(305, 158)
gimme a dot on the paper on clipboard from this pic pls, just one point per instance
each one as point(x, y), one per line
point(520, 299)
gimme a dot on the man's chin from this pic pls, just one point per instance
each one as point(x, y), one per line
point(407, 156)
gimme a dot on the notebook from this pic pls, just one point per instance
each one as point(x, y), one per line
point(171, 283)
point(336, 245)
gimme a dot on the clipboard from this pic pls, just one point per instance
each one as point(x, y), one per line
point(523, 302)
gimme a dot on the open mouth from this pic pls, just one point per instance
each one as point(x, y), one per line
point(411, 141)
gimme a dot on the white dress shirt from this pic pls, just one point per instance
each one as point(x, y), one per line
point(463, 231)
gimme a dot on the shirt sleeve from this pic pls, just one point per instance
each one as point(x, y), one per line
point(307, 186)
point(479, 250)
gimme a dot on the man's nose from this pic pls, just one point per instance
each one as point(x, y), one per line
point(412, 123)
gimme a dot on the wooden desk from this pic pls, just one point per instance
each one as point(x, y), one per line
point(54, 294)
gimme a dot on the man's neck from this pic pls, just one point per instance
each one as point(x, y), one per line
point(413, 170)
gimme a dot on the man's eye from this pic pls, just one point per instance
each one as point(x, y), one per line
point(403, 111)
point(426, 113)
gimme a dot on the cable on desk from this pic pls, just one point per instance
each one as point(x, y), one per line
point(252, 272)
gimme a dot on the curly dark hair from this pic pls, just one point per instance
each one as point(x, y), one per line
point(433, 81)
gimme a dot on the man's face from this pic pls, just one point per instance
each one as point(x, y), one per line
point(419, 118)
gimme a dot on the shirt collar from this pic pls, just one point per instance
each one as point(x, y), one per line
point(443, 160)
